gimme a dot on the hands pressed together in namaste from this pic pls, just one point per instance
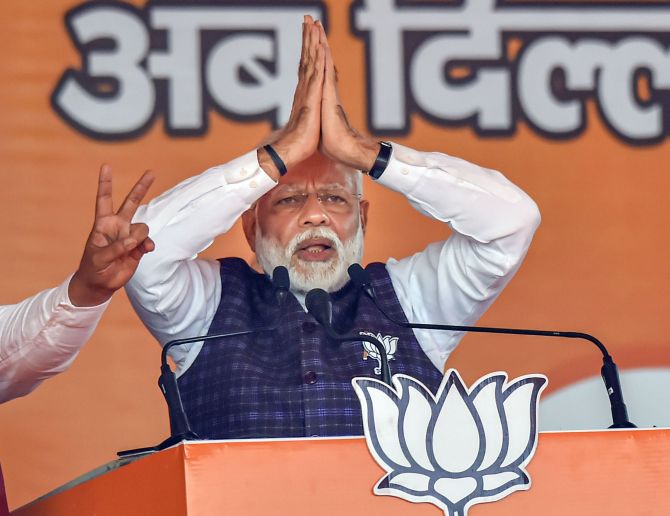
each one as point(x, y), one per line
point(317, 120)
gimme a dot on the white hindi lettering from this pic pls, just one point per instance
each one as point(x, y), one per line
point(451, 63)
point(129, 107)
point(179, 59)
point(607, 70)
point(487, 64)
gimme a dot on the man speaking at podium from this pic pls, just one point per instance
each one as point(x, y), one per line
point(301, 206)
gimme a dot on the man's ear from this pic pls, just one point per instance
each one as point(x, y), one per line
point(365, 205)
point(249, 226)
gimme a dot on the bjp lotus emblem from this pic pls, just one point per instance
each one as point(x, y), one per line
point(390, 344)
point(457, 448)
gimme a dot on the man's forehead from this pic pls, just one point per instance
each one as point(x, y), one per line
point(320, 173)
point(320, 184)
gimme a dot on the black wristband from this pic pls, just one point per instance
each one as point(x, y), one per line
point(382, 160)
point(279, 163)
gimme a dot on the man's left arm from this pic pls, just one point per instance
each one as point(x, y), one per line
point(456, 280)
point(493, 221)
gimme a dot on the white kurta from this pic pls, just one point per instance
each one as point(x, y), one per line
point(450, 282)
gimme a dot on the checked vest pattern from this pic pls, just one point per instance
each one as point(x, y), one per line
point(293, 381)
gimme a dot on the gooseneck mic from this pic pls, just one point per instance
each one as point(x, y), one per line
point(361, 278)
point(180, 428)
point(281, 283)
point(320, 307)
point(179, 425)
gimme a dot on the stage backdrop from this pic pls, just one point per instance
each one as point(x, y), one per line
point(570, 100)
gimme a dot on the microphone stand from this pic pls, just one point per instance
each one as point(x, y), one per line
point(385, 369)
point(318, 304)
point(608, 371)
point(180, 428)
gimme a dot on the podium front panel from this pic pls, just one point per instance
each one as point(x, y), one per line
point(596, 473)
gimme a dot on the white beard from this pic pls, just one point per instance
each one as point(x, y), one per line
point(330, 275)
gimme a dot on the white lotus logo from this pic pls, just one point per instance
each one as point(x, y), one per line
point(390, 344)
point(457, 448)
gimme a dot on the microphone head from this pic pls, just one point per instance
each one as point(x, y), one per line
point(361, 278)
point(358, 275)
point(319, 306)
point(280, 278)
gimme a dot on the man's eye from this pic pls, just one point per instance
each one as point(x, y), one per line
point(288, 200)
point(334, 199)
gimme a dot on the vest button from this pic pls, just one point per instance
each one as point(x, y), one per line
point(309, 378)
point(308, 327)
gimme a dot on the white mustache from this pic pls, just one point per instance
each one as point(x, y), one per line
point(329, 275)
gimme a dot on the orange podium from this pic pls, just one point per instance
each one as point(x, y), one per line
point(607, 472)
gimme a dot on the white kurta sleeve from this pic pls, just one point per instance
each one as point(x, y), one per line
point(40, 337)
point(455, 281)
point(175, 294)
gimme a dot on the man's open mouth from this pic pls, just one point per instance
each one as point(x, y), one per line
point(315, 249)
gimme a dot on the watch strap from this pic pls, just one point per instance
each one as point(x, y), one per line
point(382, 160)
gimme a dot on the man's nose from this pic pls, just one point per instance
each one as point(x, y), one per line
point(313, 213)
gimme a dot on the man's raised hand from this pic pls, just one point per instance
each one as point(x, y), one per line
point(114, 246)
point(339, 141)
point(299, 138)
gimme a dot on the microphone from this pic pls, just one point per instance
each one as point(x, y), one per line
point(180, 428)
point(320, 307)
point(609, 372)
point(281, 283)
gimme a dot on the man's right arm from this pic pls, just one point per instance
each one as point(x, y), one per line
point(174, 294)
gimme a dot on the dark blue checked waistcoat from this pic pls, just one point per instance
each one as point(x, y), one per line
point(293, 381)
